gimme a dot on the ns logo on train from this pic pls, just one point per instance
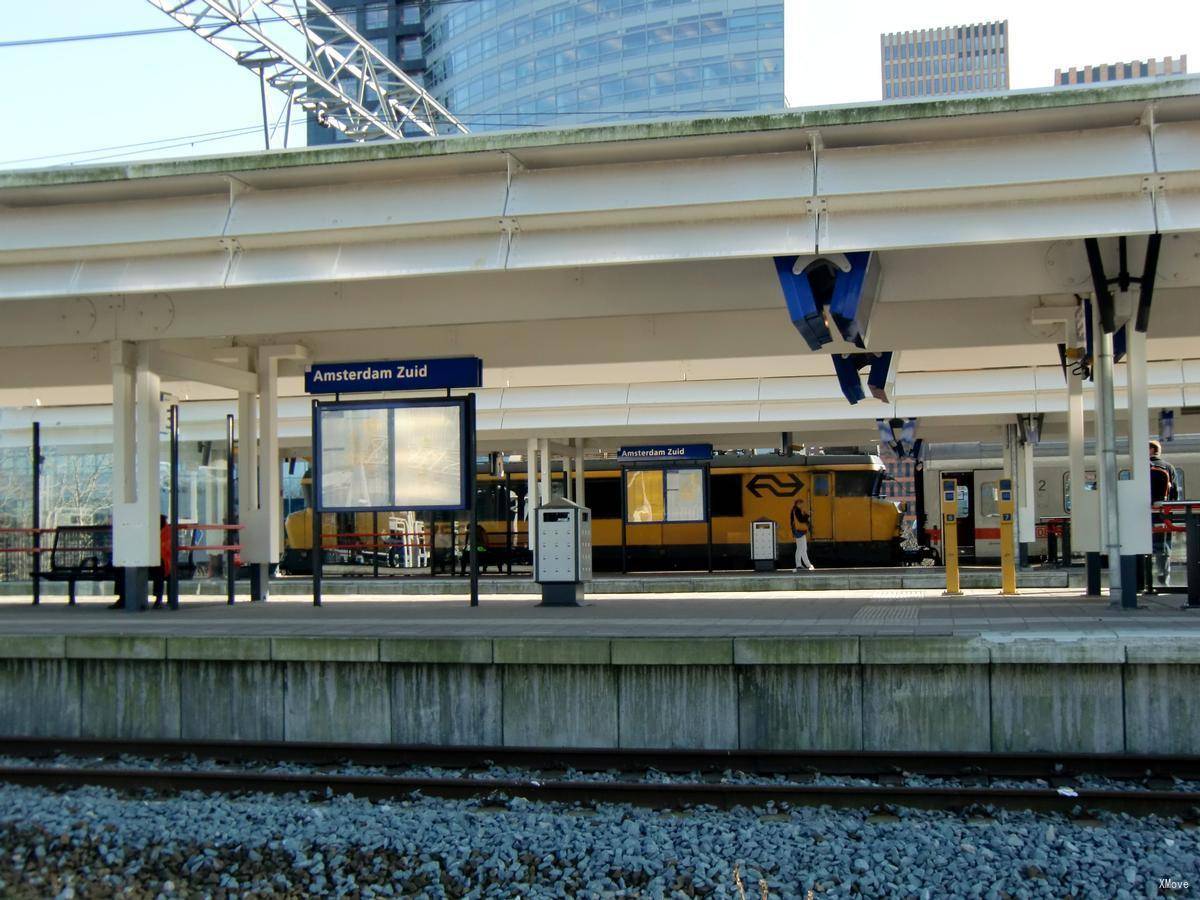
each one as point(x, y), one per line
point(786, 484)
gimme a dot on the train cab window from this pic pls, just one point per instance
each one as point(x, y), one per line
point(603, 496)
point(988, 496)
point(820, 484)
point(855, 484)
point(726, 495)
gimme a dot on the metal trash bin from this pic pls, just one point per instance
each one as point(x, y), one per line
point(763, 544)
point(563, 552)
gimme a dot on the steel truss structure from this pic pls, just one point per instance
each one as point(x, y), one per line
point(339, 77)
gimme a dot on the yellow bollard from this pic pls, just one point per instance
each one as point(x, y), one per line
point(1008, 563)
point(950, 535)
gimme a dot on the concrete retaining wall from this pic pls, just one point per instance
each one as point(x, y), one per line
point(826, 693)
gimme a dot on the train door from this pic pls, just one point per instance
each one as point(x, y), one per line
point(965, 516)
point(822, 507)
point(985, 513)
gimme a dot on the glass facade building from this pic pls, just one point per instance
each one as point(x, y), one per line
point(506, 64)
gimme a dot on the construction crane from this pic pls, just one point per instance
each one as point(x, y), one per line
point(338, 77)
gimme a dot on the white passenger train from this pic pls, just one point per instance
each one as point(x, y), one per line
point(977, 467)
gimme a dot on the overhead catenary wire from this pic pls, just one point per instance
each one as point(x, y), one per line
point(143, 144)
point(495, 119)
point(166, 29)
point(491, 119)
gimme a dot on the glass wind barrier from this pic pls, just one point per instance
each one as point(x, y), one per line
point(16, 511)
point(409, 543)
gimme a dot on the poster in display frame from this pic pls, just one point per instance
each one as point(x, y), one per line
point(465, 453)
point(667, 459)
point(464, 434)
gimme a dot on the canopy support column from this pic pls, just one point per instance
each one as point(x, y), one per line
point(580, 480)
point(136, 503)
point(1134, 492)
point(1084, 504)
point(531, 492)
point(247, 476)
point(1106, 451)
point(261, 515)
point(545, 468)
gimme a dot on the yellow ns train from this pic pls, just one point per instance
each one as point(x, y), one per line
point(656, 519)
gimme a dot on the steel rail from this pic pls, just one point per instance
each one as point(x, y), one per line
point(956, 764)
point(650, 794)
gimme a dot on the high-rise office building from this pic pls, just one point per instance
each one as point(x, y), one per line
point(934, 62)
point(394, 28)
point(1139, 68)
point(499, 64)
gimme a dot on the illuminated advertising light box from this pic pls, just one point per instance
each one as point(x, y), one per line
point(391, 455)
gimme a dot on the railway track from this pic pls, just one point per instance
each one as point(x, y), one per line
point(957, 764)
point(666, 795)
point(551, 775)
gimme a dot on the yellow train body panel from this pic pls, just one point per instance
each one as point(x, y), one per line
point(850, 523)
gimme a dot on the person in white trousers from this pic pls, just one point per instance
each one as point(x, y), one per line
point(801, 523)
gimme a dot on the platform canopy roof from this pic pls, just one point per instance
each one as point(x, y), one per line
point(618, 279)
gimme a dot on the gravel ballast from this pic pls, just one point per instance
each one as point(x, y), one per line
point(92, 842)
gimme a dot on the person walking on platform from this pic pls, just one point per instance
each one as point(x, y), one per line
point(1164, 485)
point(801, 523)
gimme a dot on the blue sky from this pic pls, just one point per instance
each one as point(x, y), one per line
point(95, 94)
point(86, 96)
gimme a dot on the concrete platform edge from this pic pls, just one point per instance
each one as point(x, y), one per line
point(737, 651)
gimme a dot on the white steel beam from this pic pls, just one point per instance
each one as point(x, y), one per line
point(314, 55)
point(1006, 189)
point(175, 367)
point(561, 398)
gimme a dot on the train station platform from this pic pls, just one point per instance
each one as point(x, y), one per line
point(1044, 613)
point(651, 583)
point(881, 670)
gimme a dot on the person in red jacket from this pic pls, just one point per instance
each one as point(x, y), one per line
point(160, 573)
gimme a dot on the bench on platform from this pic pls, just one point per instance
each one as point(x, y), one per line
point(498, 556)
point(81, 553)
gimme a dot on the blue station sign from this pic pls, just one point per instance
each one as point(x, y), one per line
point(394, 375)
point(666, 453)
